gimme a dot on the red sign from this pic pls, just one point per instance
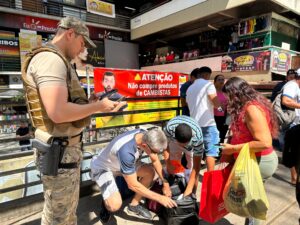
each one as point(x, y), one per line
point(28, 22)
point(139, 83)
point(50, 26)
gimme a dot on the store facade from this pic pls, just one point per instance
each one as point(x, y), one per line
point(254, 47)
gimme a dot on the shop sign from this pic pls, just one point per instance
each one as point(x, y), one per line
point(39, 24)
point(252, 61)
point(281, 61)
point(108, 35)
point(139, 84)
point(9, 48)
point(50, 26)
point(28, 22)
point(96, 56)
point(100, 8)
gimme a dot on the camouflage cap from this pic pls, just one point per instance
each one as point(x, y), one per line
point(78, 26)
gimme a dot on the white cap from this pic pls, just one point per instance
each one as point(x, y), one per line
point(298, 72)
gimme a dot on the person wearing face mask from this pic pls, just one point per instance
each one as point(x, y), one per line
point(60, 111)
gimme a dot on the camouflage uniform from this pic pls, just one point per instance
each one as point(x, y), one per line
point(61, 193)
point(49, 66)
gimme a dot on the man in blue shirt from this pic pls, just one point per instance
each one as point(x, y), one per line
point(122, 158)
point(183, 90)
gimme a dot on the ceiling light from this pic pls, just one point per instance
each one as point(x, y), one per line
point(132, 9)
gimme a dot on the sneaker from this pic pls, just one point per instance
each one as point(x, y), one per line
point(104, 214)
point(140, 210)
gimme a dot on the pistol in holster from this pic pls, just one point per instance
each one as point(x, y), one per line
point(49, 156)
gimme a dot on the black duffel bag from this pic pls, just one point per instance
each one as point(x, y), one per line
point(184, 214)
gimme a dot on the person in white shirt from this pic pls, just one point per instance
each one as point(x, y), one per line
point(201, 99)
point(290, 99)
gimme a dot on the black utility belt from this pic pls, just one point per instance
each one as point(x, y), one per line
point(49, 156)
point(70, 140)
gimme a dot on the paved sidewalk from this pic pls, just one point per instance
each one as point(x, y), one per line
point(281, 195)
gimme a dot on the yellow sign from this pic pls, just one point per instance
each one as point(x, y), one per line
point(244, 60)
point(282, 57)
point(101, 8)
point(109, 121)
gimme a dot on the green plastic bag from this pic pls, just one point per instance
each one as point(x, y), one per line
point(244, 194)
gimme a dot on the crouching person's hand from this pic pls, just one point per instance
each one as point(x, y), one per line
point(167, 202)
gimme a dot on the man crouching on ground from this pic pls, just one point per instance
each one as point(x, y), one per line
point(122, 157)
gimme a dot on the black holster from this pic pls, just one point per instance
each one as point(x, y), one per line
point(49, 156)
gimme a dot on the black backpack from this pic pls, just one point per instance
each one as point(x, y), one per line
point(186, 212)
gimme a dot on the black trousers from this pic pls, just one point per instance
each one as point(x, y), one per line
point(221, 126)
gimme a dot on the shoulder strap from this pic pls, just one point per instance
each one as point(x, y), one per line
point(37, 50)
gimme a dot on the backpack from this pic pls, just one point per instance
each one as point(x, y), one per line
point(285, 115)
point(186, 212)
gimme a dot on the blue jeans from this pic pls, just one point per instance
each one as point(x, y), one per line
point(210, 138)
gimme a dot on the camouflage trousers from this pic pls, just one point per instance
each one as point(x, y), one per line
point(61, 192)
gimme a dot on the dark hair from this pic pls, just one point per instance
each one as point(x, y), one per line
point(183, 133)
point(108, 73)
point(195, 72)
point(240, 93)
point(204, 70)
point(216, 77)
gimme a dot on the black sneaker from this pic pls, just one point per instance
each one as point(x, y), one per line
point(104, 214)
point(140, 210)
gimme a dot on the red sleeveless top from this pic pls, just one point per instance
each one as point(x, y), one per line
point(241, 133)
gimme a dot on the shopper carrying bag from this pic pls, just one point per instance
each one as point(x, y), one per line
point(253, 121)
point(244, 192)
point(212, 206)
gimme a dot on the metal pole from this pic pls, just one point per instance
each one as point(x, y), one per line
point(88, 81)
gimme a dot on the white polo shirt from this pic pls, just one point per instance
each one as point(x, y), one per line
point(291, 89)
point(200, 106)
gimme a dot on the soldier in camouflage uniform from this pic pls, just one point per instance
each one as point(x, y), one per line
point(60, 110)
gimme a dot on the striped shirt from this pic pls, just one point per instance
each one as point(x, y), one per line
point(196, 143)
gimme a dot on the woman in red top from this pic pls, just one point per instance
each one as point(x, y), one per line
point(253, 122)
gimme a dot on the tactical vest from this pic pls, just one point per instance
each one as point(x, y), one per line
point(36, 109)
